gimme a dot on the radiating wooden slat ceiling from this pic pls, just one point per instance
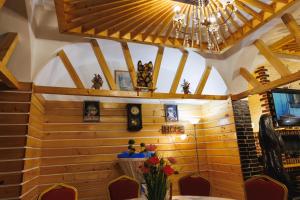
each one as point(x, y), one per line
point(150, 21)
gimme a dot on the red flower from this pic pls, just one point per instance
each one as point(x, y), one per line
point(153, 160)
point(168, 170)
point(145, 170)
point(172, 160)
point(151, 147)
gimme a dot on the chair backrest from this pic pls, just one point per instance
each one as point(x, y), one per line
point(264, 187)
point(123, 187)
point(194, 186)
point(59, 191)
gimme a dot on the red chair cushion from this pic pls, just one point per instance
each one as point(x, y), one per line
point(194, 186)
point(123, 189)
point(260, 189)
point(62, 193)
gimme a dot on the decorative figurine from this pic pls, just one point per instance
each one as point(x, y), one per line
point(145, 75)
point(97, 81)
point(186, 87)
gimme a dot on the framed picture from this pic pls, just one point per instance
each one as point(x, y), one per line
point(123, 80)
point(91, 111)
point(171, 113)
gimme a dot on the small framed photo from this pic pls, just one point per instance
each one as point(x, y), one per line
point(91, 111)
point(123, 80)
point(171, 113)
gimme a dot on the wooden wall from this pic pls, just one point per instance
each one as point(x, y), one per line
point(84, 154)
point(30, 187)
point(217, 129)
point(14, 116)
point(61, 148)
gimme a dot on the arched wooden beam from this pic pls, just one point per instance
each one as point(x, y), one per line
point(249, 77)
point(129, 63)
point(292, 25)
point(179, 71)
point(69, 67)
point(157, 65)
point(203, 80)
point(275, 62)
point(103, 65)
point(268, 86)
point(8, 43)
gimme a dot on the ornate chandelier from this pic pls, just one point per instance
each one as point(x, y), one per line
point(203, 23)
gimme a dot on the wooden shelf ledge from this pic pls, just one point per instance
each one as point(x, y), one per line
point(122, 94)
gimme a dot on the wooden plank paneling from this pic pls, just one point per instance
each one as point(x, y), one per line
point(33, 150)
point(84, 154)
point(222, 152)
point(14, 117)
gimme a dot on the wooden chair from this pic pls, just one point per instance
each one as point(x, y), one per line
point(123, 187)
point(263, 187)
point(194, 186)
point(59, 191)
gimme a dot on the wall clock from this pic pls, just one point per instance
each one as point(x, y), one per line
point(134, 117)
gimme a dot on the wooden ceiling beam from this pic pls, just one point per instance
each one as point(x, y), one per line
point(158, 26)
point(278, 44)
point(103, 65)
point(281, 1)
point(2, 3)
point(141, 19)
point(171, 27)
point(70, 69)
point(260, 5)
point(227, 15)
point(189, 13)
point(88, 21)
point(151, 22)
point(8, 78)
point(203, 80)
point(268, 86)
point(129, 62)
point(243, 19)
point(157, 65)
point(8, 43)
point(74, 13)
point(109, 19)
point(249, 77)
point(222, 18)
point(179, 71)
point(121, 94)
point(292, 25)
point(249, 10)
point(275, 62)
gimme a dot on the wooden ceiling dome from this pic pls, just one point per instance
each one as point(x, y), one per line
point(151, 21)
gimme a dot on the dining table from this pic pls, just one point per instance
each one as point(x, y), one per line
point(190, 198)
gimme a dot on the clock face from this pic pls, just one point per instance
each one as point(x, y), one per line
point(134, 110)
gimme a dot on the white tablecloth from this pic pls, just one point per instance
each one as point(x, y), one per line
point(192, 198)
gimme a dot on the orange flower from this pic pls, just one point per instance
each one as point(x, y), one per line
point(153, 160)
point(168, 170)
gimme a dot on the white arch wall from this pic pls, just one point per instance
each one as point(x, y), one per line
point(85, 63)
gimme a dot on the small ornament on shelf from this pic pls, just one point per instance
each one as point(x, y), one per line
point(97, 81)
point(145, 76)
point(185, 87)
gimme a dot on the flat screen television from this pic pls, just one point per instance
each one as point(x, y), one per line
point(287, 107)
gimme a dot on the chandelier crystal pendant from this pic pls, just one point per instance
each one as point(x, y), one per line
point(206, 24)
